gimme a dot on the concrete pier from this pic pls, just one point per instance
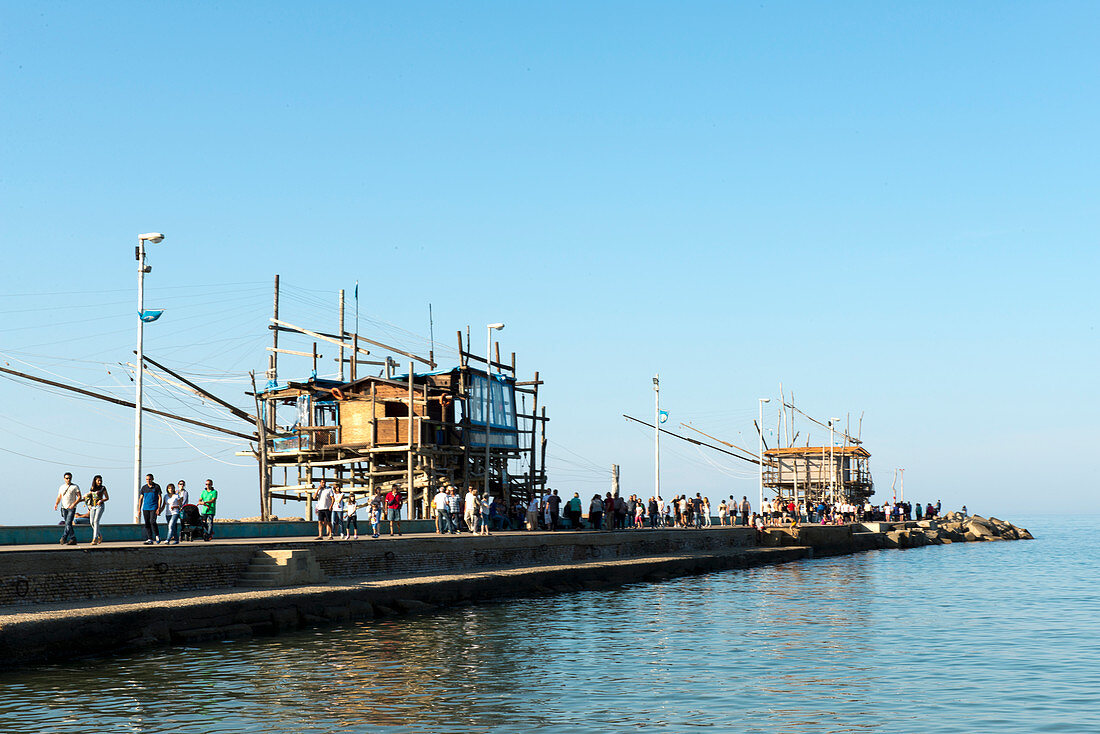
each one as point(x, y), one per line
point(60, 602)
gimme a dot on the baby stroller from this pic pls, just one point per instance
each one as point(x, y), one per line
point(191, 525)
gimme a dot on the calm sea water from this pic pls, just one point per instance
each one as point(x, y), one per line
point(995, 637)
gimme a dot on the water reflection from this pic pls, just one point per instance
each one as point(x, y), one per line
point(988, 637)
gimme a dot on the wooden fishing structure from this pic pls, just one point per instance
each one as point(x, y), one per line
point(829, 474)
point(416, 431)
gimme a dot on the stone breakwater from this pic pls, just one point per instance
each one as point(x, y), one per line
point(147, 596)
point(954, 528)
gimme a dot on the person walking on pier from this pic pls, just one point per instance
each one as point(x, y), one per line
point(484, 505)
point(68, 496)
point(173, 505)
point(470, 511)
point(338, 511)
point(181, 490)
point(439, 504)
point(533, 514)
point(393, 510)
point(351, 518)
point(374, 510)
point(208, 504)
point(150, 507)
point(96, 500)
point(553, 509)
point(324, 498)
point(454, 510)
point(745, 509)
point(595, 512)
point(574, 512)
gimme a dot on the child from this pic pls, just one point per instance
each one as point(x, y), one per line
point(375, 513)
point(351, 521)
point(639, 515)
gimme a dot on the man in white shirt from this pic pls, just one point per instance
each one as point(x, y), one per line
point(533, 514)
point(68, 496)
point(324, 499)
point(439, 504)
point(471, 512)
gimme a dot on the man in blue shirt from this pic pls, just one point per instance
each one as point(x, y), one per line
point(150, 506)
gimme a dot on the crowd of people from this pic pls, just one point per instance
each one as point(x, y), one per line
point(786, 511)
point(172, 503)
point(338, 511)
point(453, 511)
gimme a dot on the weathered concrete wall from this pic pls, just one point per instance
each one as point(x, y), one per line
point(824, 539)
point(103, 571)
point(33, 636)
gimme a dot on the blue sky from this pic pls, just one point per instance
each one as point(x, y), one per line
point(891, 209)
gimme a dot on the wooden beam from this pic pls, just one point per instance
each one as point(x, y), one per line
point(291, 351)
point(231, 408)
point(692, 440)
point(340, 343)
point(128, 404)
point(333, 338)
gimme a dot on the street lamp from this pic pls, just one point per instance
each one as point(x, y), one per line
point(657, 437)
point(760, 431)
point(139, 253)
point(490, 328)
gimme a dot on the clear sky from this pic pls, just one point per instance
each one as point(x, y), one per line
point(891, 208)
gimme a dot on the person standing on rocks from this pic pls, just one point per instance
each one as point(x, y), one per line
point(324, 499)
point(208, 505)
point(96, 500)
point(150, 506)
point(68, 497)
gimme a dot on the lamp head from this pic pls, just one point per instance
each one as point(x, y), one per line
point(498, 327)
point(154, 237)
point(765, 400)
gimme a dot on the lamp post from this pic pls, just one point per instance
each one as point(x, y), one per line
point(832, 461)
point(139, 253)
point(760, 431)
point(657, 436)
point(488, 393)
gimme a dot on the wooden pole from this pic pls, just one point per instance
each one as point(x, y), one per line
point(265, 479)
point(542, 463)
point(273, 367)
point(412, 420)
point(274, 376)
point(534, 426)
point(341, 332)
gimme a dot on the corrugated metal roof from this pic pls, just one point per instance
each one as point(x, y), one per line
point(818, 450)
